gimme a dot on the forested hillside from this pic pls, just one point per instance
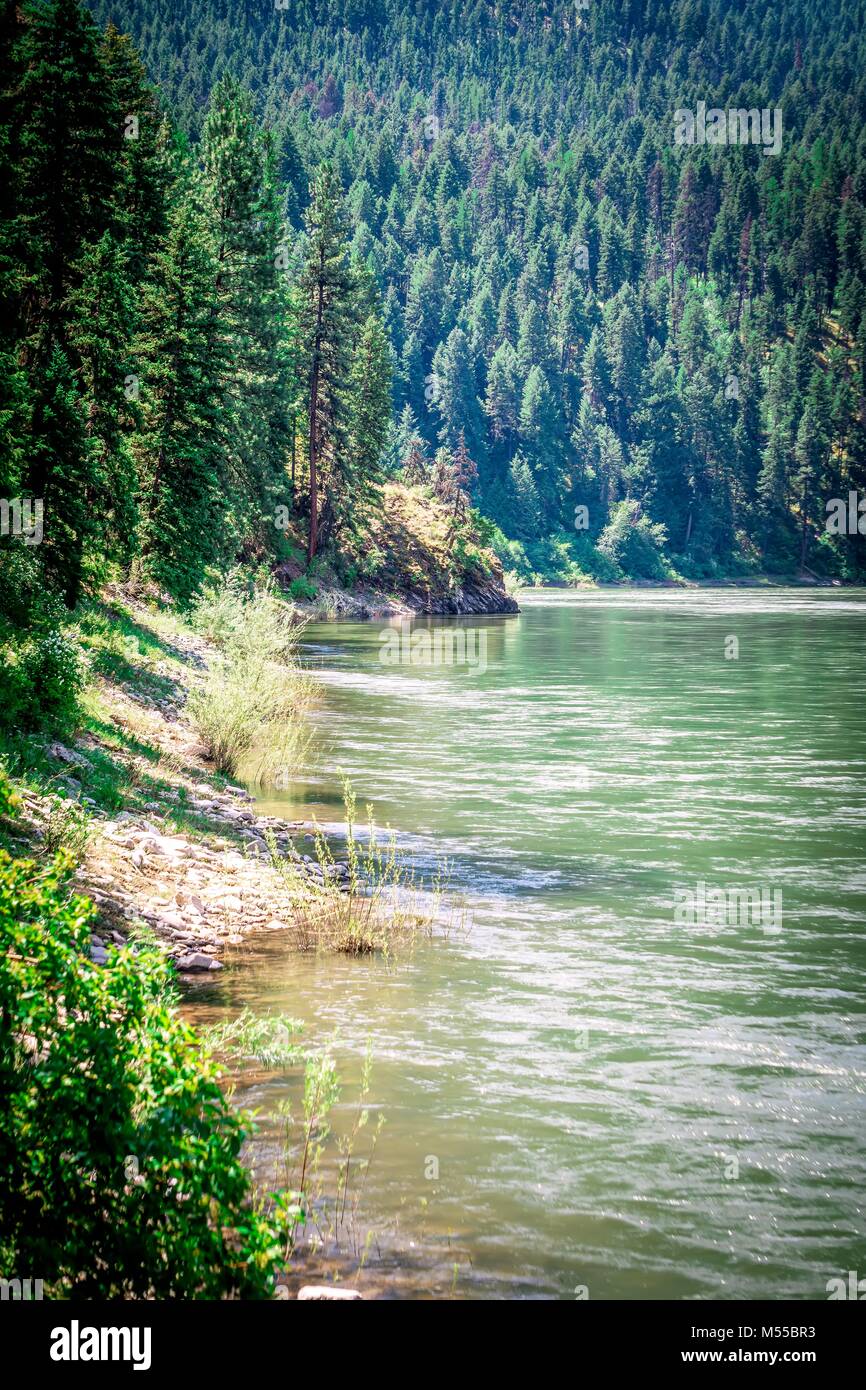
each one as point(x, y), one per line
point(669, 336)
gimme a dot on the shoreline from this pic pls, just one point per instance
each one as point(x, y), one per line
point(190, 863)
point(366, 605)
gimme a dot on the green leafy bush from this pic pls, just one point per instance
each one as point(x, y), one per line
point(634, 543)
point(42, 678)
point(302, 589)
point(119, 1153)
point(251, 700)
point(41, 669)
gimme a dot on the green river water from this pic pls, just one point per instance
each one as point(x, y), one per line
point(616, 1101)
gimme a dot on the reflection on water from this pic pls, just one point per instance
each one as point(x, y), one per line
point(648, 1109)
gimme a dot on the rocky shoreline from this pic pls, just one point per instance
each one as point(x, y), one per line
point(201, 891)
point(200, 897)
point(482, 597)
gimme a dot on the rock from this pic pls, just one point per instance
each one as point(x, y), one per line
point(61, 754)
point(230, 904)
point(311, 1292)
point(98, 955)
point(197, 960)
point(276, 925)
point(171, 921)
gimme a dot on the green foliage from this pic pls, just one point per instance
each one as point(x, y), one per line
point(602, 313)
point(251, 701)
point(633, 543)
point(201, 331)
point(120, 1153)
point(302, 589)
point(68, 827)
point(41, 681)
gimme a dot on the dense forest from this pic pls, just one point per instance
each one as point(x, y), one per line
point(302, 248)
point(668, 336)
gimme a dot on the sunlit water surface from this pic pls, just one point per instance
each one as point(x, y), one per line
point(614, 1101)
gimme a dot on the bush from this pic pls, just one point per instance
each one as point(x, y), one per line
point(634, 543)
point(119, 1153)
point(41, 669)
point(42, 679)
point(373, 906)
point(302, 589)
point(253, 695)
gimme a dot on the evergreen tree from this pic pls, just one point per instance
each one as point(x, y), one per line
point(180, 447)
point(327, 327)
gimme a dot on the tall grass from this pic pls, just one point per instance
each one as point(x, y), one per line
point(250, 706)
point(68, 826)
point(323, 1175)
point(377, 905)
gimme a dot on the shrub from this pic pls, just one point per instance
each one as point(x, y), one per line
point(374, 906)
point(633, 542)
point(302, 589)
point(68, 827)
point(120, 1154)
point(43, 675)
point(253, 695)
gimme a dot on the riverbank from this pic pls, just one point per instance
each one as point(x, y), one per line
point(163, 842)
point(158, 860)
point(752, 581)
point(416, 557)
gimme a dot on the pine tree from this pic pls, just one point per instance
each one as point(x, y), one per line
point(68, 148)
point(102, 324)
point(241, 198)
point(180, 447)
point(64, 473)
point(455, 399)
point(328, 323)
point(370, 420)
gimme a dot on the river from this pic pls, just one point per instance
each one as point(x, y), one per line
point(585, 1094)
